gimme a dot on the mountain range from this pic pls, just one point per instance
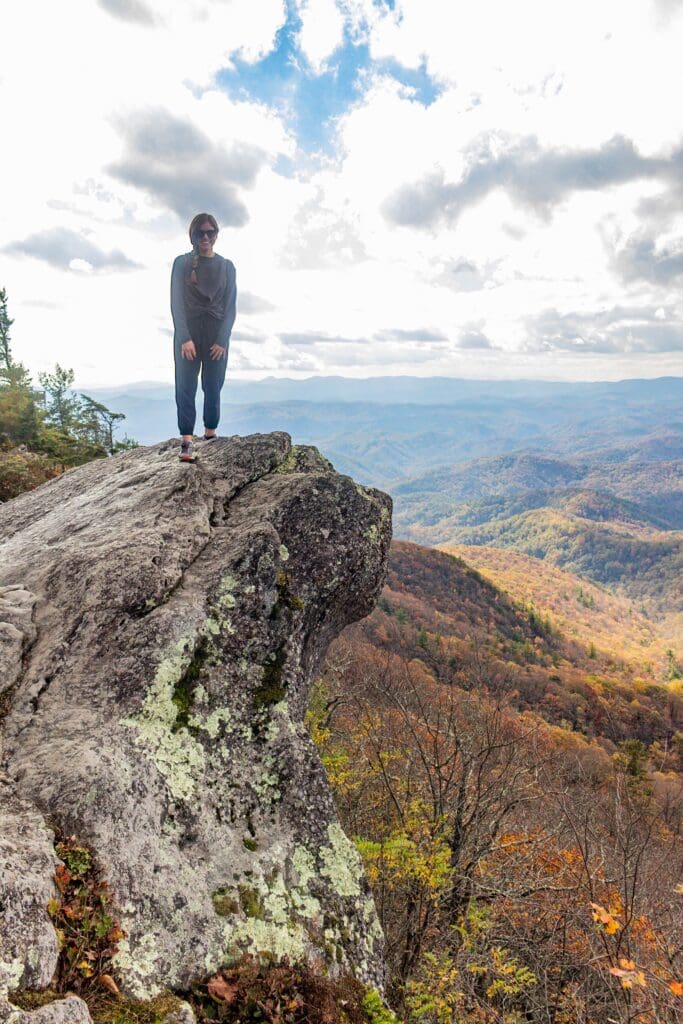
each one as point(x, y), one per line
point(586, 476)
point(385, 429)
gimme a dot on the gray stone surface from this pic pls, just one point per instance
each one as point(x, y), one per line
point(164, 624)
point(28, 944)
point(181, 1014)
point(70, 1010)
point(16, 633)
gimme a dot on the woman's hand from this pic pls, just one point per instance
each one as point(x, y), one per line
point(188, 349)
point(216, 352)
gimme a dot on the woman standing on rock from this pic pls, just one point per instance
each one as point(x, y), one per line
point(203, 306)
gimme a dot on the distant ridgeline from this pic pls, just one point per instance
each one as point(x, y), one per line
point(388, 428)
point(615, 516)
point(586, 475)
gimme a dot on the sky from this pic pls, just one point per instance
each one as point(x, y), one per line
point(488, 189)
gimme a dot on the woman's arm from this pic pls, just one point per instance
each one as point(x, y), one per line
point(178, 300)
point(230, 308)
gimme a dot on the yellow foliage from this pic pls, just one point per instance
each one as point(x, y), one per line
point(605, 919)
point(407, 854)
point(434, 995)
point(628, 974)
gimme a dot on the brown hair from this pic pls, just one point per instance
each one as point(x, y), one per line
point(194, 224)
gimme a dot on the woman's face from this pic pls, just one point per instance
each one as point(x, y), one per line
point(206, 236)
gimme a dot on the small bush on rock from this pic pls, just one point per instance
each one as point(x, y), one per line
point(282, 993)
point(87, 931)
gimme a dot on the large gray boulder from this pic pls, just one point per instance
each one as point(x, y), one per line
point(160, 624)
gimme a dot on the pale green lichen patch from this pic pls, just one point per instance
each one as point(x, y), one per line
point(226, 592)
point(276, 914)
point(284, 553)
point(177, 755)
point(280, 722)
point(138, 967)
point(303, 863)
point(288, 464)
point(211, 724)
point(272, 729)
point(372, 534)
point(224, 602)
point(219, 623)
point(266, 785)
point(276, 903)
point(305, 905)
point(375, 933)
point(280, 713)
point(341, 862)
point(266, 936)
point(200, 696)
point(273, 911)
point(11, 972)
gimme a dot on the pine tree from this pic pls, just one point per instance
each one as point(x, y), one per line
point(19, 415)
point(103, 422)
point(62, 404)
point(5, 324)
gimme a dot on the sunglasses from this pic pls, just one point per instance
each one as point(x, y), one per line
point(209, 234)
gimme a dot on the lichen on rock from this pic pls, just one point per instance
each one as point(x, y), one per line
point(176, 754)
point(341, 862)
point(174, 621)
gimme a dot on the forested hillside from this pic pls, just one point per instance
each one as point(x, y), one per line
point(637, 487)
point(610, 516)
point(515, 790)
point(580, 609)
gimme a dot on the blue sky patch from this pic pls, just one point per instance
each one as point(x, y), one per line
point(310, 102)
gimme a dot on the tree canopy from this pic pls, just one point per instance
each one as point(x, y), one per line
point(45, 430)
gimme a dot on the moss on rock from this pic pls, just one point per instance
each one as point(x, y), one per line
point(272, 689)
point(250, 901)
point(225, 902)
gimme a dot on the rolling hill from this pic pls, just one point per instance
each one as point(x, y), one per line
point(580, 610)
point(616, 521)
point(552, 645)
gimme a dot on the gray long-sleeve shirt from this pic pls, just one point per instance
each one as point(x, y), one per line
point(215, 293)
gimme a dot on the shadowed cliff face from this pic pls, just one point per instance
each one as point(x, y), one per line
point(160, 624)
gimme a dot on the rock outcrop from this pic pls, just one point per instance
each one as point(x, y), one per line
point(160, 624)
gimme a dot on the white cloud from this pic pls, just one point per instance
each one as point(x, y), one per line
point(577, 72)
point(219, 29)
point(118, 128)
point(322, 30)
point(93, 188)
